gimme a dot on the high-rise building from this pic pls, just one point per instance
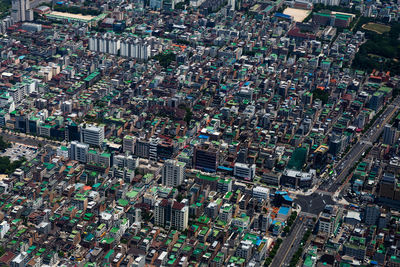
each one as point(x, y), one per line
point(153, 144)
point(171, 214)
point(20, 11)
point(72, 132)
point(389, 135)
point(206, 157)
point(92, 135)
point(156, 4)
point(135, 48)
point(387, 186)
point(372, 213)
point(180, 216)
point(142, 148)
point(128, 144)
point(78, 151)
point(173, 173)
point(105, 43)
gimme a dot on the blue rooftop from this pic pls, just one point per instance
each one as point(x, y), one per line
point(287, 198)
point(284, 16)
point(225, 168)
point(283, 210)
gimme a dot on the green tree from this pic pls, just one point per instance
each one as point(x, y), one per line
point(321, 95)
point(188, 115)
point(165, 59)
point(4, 144)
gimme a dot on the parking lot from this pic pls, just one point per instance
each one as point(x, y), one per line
point(18, 151)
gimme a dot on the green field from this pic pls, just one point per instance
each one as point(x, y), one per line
point(376, 27)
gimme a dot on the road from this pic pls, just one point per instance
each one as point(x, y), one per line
point(296, 242)
point(315, 203)
point(288, 243)
point(27, 139)
point(358, 149)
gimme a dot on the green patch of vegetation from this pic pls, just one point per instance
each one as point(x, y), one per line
point(321, 95)
point(5, 6)
point(319, 7)
point(188, 115)
point(376, 27)
point(165, 59)
point(4, 144)
point(8, 167)
point(381, 51)
point(77, 10)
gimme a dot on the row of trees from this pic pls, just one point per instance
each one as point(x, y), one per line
point(290, 222)
point(77, 10)
point(296, 257)
point(273, 252)
point(71, 9)
point(319, 7)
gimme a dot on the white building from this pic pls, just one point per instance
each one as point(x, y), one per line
point(20, 11)
point(173, 173)
point(4, 227)
point(245, 171)
point(327, 2)
point(244, 250)
point(92, 135)
point(126, 161)
point(261, 192)
point(135, 48)
point(62, 151)
point(78, 151)
point(171, 214)
point(180, 216)
point(106, 43)
point(21, 260)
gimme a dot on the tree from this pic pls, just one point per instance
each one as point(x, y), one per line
point(8, 167)
point(165, 59)
point(188, 115)
point(179, 198)
point(4, 144)
point(321, 95)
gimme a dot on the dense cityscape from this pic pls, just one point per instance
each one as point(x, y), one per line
point(199, 133)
